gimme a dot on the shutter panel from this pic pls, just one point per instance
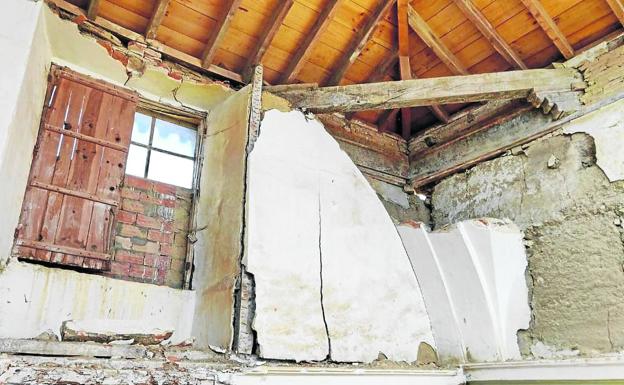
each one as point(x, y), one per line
point(78, 166)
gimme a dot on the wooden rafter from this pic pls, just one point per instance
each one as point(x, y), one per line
point(385, 119)
point(218, 34)
point(419, 25)
point(442, 90)
point(617, 6)
point(268, 33)
point(548, 25)
point(157, 16)
point(359, 41)
point(92, 10)
point(489, 32)
point(305, 48)
point(405, 67)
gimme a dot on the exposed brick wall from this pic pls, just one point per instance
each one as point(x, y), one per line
point(150, 232)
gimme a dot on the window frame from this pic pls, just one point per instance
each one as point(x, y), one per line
point(150, 147)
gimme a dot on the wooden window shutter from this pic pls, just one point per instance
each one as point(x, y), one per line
point(78, 166)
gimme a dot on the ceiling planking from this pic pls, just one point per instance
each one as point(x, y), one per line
point(232, 34)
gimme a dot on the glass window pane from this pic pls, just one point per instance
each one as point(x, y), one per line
point(170, 169)
point(141, 128)
point(174, 138)
point(137, 156)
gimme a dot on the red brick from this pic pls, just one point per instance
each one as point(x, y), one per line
point(150, 259)
point(168, 203)
point(164, 188)
point(150, 273)
point(118, 268)
point(130, 193)
point(163, 262)
point(132, 205)
point(131, 231)
point(126, 217)
point(167, 237)
point(130, 257)
point(155, 235)
point(141, 183)
point(165, 249)
point(149, 222)
point(168, 226)
point(136, 271)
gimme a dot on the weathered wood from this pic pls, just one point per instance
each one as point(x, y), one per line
point(617, 6)
point(267, 35)
point(383, 69)
point(218, 34)
point(156, 19)
point(93, 9)
point(548, 25)
point(420, 26)
point(62, 249)
point(156, 45)
point(405, 67)
point(70, 349)
point(86, 138)
point(423, 92)
point(489, 32)
point(463, 153)
point(358, 42)
point(78, 194)
point(386, 119)
point(305, 48)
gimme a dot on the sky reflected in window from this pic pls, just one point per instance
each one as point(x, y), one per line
point(174, 138)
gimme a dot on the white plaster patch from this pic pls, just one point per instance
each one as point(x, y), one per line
point(390, 192)
point(301, 182)
point(606, 126)
point(473, 279)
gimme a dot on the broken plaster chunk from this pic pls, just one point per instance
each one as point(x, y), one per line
point(553, 162)
point(108, 331)
point(426, 354)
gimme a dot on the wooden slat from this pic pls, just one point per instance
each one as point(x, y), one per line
point(305, 48)
point(442, 90)
point(422, 29)
point(358, 42)
point(617, 6)
point(78, 194)
point(499, 44)
point(218, 34)
point(383, 69)
point(86, 138)
point(548, 25)
point(157, 16)
point(62, 249)
point(93, 9)
point(268, 33)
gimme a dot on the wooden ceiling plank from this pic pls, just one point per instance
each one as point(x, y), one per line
point(419, 25)
point(483, 25)
point(383, 69)
point(305, 48)
point(218, 34)
point(548, 25)
point(617, 6)
point(158, 46)
point(358, 42)
point(156, 19)
point(92, 10)
point(268, 33)
point(442, 90)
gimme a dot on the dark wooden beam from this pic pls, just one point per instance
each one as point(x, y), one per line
point(92, 10)
point(442, 90)
point(617, 6)
point(359, 41)
point(386, 119)
point(268, 33)
point(419, 25)
point(156, 19)
point(305, 48)
point(218, 33)
point(548, 25)
point(489, 32)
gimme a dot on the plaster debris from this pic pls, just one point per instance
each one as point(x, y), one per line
point(553, 162)
point(107, 331)
point(328, 214)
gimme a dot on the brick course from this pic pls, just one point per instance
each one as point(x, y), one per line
point(150, 232)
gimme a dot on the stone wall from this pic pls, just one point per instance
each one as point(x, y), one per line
point(572, 216)
point(151, 232)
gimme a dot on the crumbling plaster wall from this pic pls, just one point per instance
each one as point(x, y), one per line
point(572, 216)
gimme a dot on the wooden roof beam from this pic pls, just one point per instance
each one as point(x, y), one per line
point(92, 10)
point(405, 67)
point(268, 33)
point(430, 91)
point(305, 48)
point(156, 19)
point(419, 25)
point(548, 25)
point(218, 34)
point(489, 32)
point(617, 6)
point(359, 41)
